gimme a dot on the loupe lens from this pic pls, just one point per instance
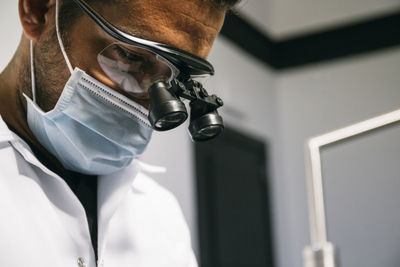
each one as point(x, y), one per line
point(206, 127)
point(166, 111)
point(210, 131)
point(170, 120)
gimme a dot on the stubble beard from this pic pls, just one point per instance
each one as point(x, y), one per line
point(51, 73)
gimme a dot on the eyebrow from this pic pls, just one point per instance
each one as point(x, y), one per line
point(132, 32)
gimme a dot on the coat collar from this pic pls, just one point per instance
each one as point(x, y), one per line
point(5, 134)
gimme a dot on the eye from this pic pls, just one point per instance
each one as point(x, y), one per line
point(129, 55)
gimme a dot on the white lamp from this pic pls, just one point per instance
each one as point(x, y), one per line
point(322, 253)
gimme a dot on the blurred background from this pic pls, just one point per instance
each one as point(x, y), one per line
point(288, 70)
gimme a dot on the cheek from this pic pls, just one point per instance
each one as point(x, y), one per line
point(51, 73)
point(84, 53)
point(85, 44)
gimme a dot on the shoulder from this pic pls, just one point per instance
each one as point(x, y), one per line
point(160, 204)
point(147, 187)
point(152, 219)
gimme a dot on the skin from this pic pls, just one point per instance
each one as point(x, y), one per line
point(190, 25)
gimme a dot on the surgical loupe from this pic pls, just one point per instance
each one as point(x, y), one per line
point(167, 111)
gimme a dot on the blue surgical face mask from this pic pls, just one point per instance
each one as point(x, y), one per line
point(92, 129)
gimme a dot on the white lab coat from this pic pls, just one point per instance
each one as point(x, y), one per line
point(42, 222)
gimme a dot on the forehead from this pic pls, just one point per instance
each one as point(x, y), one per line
point(190, 25)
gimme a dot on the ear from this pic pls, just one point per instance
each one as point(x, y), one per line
point(33, 14)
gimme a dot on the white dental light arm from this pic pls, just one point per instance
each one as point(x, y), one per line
point(321, 253)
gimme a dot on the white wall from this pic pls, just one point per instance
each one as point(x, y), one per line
point(10, 30)
point(323, 97)
point(362, 179)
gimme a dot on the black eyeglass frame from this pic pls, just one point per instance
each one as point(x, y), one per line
point(186, 62)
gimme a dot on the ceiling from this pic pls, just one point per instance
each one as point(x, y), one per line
point(282, 19)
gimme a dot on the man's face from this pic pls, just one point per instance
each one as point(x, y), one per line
point(190, 25)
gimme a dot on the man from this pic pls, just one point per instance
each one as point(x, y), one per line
point(73, 105)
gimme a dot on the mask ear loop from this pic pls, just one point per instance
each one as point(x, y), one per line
point(60, 40)
point(33, 84)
